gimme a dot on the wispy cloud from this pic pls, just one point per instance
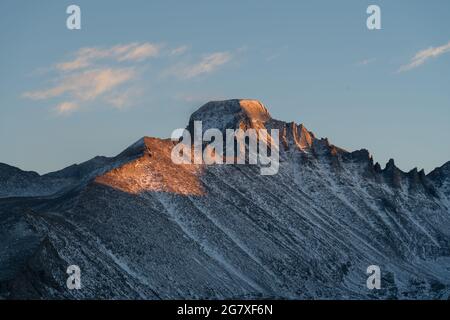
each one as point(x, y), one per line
point(179, 50)
point(275, 53)
point(84, 80)
point(365, 62)
point(86, 85)
point(141, 52)
point(208, 63)
point(123, 99)
point(107, 75)
point(422, 56)
point(85, 57)
point(66, 108)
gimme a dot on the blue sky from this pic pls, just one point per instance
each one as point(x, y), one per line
point(140, 68)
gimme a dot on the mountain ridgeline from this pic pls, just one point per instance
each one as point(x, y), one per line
point(141, 227)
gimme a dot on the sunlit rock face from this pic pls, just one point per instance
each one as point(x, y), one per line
point(141, 227)
point(154, 171)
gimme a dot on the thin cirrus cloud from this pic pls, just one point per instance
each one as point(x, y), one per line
point(97, 73)
point(123, 99)
point(365, 62)
point(207, 64)
point(422, 56)
point(66, 108)
point(179, 50)
point(108, 75)
point(85, 85)
point(85, 57)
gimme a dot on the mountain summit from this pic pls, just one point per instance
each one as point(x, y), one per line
point(221, 111)
point(141, 227)
point(231, 114)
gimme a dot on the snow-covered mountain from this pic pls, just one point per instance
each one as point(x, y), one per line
point(140, 226)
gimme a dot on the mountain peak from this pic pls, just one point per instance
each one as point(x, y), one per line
point(390, 165)
point(255, 110)
point(229, 114)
